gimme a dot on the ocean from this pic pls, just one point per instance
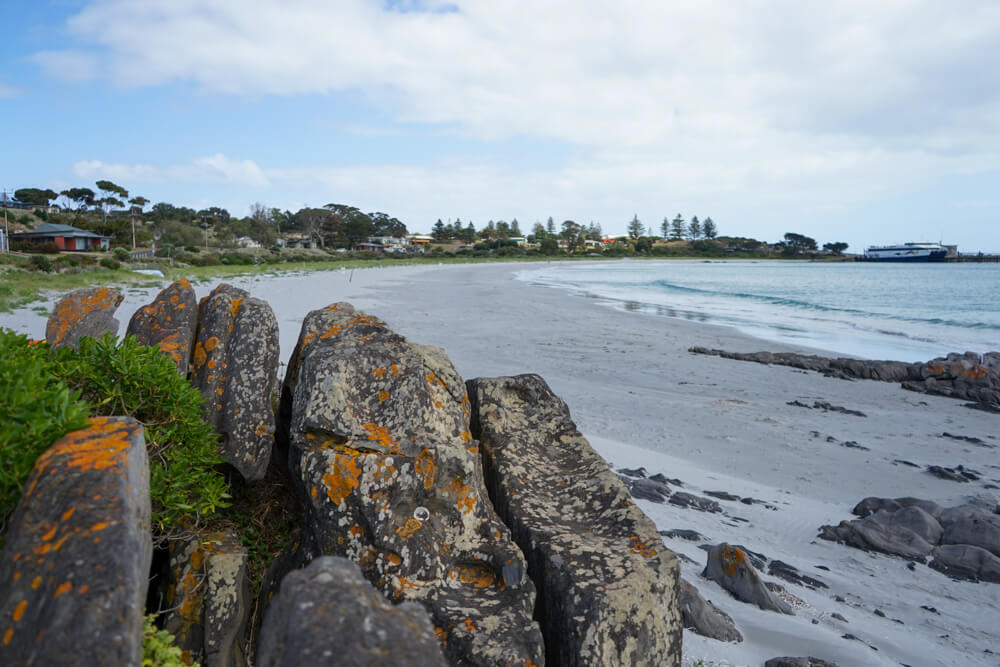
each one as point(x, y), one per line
point(903, 312)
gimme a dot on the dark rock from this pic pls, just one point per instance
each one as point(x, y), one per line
point(684, 534)
point(963, 561)
point(632, 472)
point(209, 599)
point(704, 618)
point(930, 609)
point(376, 433)
point(683, 499)
point(904, 532)
point(608, 588)
point(730, 568)
point(956, 474)
point(235, 366)
point(798, 662)
point(328, 614)
point(969, 439)
point(78, 550)
point(826, 407)
point(660, 477)
point(838, 617)
point(968, 524)
point(782, 570)
point(879, 613)
point(647, 489)
point(170, 323)
point(722, 495)
point(872, 504)
point(84, 312)
point(906, 463)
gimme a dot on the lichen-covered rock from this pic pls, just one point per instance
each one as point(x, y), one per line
point(375, 430)
point(209, 599)
point(169, 323)
point(704, 618)
point(76, 559)
point(84, 312)
point(235, 364)
point(328, 614)
point(729, 567)
point(607, 587)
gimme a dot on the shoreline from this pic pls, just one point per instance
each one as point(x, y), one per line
point(717, 424)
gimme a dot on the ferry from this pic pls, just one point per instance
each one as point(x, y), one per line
point(907, 252)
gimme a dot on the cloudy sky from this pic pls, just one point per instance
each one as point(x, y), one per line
point(845, 120)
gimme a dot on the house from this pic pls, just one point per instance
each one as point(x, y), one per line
point(246, 242)
point(421, 240)
point(66, 237)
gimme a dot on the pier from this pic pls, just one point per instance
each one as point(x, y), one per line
point(973, 258)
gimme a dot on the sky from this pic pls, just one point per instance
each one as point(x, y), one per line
point(844, 120)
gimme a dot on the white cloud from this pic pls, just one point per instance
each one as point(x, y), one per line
point(73, 66)
point(208, 169)
point(8, 92)
point(763, 102)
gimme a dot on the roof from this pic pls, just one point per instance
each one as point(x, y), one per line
point(51, 229)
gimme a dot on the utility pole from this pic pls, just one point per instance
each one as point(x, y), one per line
point(6, 230)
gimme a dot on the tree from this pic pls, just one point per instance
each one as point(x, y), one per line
point(635, 227)
point(138, 203)
point(795, 244)
point(111, 196)
point(469, 233)
point(594, 232)
point(837, 248)
point(35, 196)
point(665, 228)
point(539, 233)
point(438, 231)
point(82, 197)
point(572, 233)
point(550, 227)
point(694, 229)
point(708, 229)
point(677, 229)
point(515, 228)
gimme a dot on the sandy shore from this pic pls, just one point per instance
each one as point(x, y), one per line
point(715, 424)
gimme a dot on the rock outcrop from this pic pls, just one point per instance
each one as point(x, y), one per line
point(84, 312)
point(235, 364)
point(704, 618)
point(375, 430)
point(169, 323)
point(77, 554)
point(328, 614)
point(608, 588)
point(916, 529)
point(968, 376)
point(209, 599)
point(729, 567)
point(798, 662)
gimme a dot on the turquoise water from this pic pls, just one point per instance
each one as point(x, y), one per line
point(907, 312)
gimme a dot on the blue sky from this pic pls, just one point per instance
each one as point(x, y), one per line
point(843, 120)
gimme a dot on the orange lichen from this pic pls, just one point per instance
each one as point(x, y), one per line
point(8, 636)
point(211, 343)
point(465, 495)
point(477, 575)
point(380, 434)
point(425, 466)
point(637, 546)
point(103, 444)
point(100, 526)
point(261, 430)
point(343, 477)
point(379, 372)
point(19, 610)
point(63, 588)
point(394, 559)
point(200, 357)
point(732, 558)
point(36, 582)
point(383, 396)
point(407, 530)
point(75, 307)
point(469, 625)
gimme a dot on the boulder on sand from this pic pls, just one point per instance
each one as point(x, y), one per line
point(75, 563)
point(235, 365)
point(607, 586)
point(169, 323)
point(704, 618)
point(964, 561)
point(84, 312)
point(375, 431)
point(729, 567)
point(328, 614)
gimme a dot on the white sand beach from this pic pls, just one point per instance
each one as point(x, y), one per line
point(717, 425)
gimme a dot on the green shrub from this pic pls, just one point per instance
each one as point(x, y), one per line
point(36, 409)
point(141, 382)
point(41, 263)
point(122, 254)
point(159, 647)
point(109, 263)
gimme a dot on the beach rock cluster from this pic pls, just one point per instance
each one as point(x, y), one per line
point(962, 542)
point(436, 529)
point(969, 376)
